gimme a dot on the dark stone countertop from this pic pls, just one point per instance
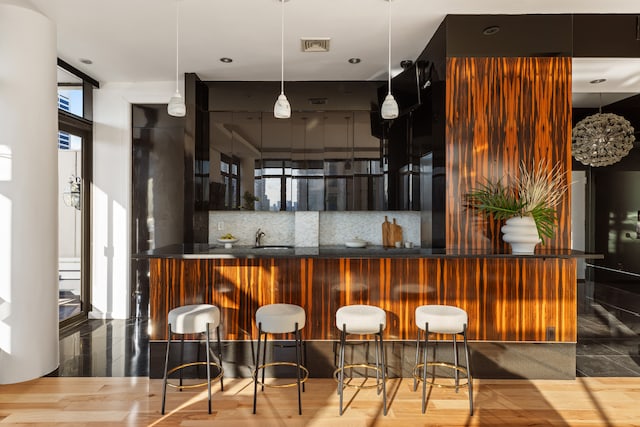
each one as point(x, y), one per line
point(217, 251)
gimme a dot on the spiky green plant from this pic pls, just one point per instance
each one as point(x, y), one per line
point(535, 192)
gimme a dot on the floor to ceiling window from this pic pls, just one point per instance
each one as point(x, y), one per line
point(74, 182)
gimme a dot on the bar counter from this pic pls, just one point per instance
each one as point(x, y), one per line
point(510, 299)
point(213, 251)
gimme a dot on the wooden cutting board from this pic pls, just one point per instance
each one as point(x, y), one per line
point(396, 233)
point(386, 233)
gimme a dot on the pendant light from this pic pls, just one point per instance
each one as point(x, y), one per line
point(282, 109)
point(176, 107)
point(602, 139)
point(389, 108)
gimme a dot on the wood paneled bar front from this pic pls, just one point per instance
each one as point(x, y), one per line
point(509, 299)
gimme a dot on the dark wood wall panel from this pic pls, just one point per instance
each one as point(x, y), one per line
point(499, 112)
point(507, 299)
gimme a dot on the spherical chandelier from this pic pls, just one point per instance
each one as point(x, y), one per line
point(602, 139)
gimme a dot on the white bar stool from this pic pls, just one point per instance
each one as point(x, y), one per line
point(280, 319)
point(362, 320)
point(442, 319)
point(193, 319)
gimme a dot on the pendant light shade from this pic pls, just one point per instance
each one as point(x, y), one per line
point(176, 107)
point(282, 108)
point(389, 109)
point(602, 139)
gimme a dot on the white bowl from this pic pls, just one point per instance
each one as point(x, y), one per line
point(227, 240)
point(355, 243)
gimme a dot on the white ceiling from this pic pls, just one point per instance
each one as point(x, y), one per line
point(134, 40)
point(622, 80)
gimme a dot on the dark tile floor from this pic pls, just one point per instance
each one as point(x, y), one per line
point(104, 348)
point(608, 330)
point(608, 339)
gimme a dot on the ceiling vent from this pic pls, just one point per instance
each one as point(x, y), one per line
point(318, 101)
point(315, 44)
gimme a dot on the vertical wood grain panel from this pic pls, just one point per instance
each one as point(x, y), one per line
point(499, 112)
point(507, 299)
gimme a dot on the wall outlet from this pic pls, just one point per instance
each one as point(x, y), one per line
point(220, 225)
point(551, 333)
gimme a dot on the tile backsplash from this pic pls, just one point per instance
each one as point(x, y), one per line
point(310, 228)
point(337, 227)
point(278, 227)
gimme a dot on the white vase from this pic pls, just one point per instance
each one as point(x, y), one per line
point(522, 234)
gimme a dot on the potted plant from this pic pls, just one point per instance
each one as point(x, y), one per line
point(527, 204)
point(248, 201)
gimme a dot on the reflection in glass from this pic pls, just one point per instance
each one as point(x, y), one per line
point(69, 92)
point(69, 224)
point(320, 185)
point(270, 197)
point(336, 195)
point(229, 170)
point(271, 158)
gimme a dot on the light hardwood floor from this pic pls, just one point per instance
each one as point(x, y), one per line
point(136, 402)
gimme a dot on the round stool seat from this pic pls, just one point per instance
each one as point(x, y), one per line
point(361, 319)
point(442, 319)
point(193, 319)
point(280, 318)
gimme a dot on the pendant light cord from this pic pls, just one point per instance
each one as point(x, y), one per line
point(177, 40)
point(389, 35)
point(600, 105)
point(282, 47)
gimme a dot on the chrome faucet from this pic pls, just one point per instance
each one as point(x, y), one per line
point(259, 235)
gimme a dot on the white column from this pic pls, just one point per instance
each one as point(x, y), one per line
point(28, 194)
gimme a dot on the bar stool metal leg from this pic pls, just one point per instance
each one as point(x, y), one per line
point(220, 356)
point(424, 368)
point(166, 367)
point(343, 335)
point(417, 359)
point(255, 376)
point(383, 369)
point(208, 369)
point(303, 346)
point(264, 357)
point(298, 351)
point(455, 362)
point(376, 347)
point(469, 377)
point(182, 357)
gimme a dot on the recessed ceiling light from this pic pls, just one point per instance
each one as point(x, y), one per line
point(354, 60)
point(596, 81)
point(406, 63)
point(489, 31)
point(86, 61)
point(226, 60)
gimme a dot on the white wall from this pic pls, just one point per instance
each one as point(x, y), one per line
point(112, 148)
point(28, 194)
